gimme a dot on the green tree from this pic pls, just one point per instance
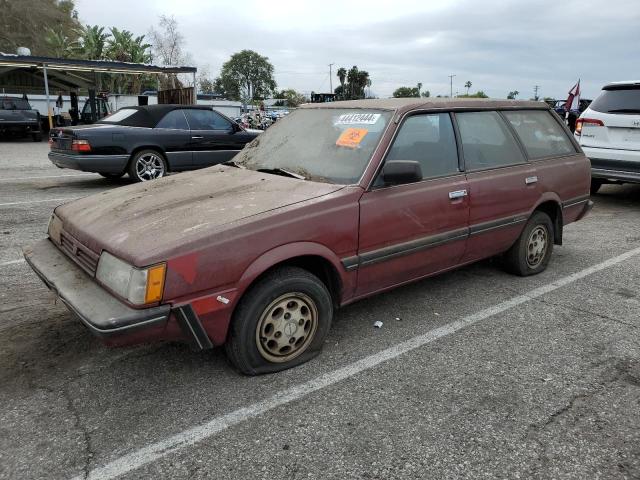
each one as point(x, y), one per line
point(513, 95)
point(290, 97)
point(406, 92)
point(468, 86)
point(59, 44)
point(352, 83)
point(426, 94)
point(478, 94)
point(25, 23)
point(93, 42)
point(124, 47)
point(247, 75)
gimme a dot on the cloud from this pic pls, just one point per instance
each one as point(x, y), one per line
point(499, 46)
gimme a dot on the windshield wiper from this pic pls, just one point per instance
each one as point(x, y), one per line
point(232, 163)
point(283, 172)
point(625, 110)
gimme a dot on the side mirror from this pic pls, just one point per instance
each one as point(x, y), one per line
point(235, 128)
point(398, 172)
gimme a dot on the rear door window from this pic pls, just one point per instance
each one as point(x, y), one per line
point(174, 120)
point(618, 100)
point(487, 141)
point(540, 134)
point(429, 140)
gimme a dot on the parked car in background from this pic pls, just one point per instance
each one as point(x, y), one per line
point(609, 133)
point(18, 118)
point(147, 142)
point(334, 203)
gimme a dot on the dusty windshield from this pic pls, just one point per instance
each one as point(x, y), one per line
point(320, 144)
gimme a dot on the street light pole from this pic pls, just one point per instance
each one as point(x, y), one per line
point(451, 84)
point(331, 78)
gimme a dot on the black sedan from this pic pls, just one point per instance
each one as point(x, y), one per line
point(147, 142)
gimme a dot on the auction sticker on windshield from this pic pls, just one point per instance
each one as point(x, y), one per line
point(351, 137)
point(357, 118)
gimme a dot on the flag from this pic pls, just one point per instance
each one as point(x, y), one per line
point(573, 100)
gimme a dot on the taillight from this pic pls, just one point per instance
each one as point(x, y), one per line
point(50, 142)
point(80, 146)
point(592, 122)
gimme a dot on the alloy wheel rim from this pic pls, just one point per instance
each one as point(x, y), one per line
point(537, 246)
point(286, 327)
point(149, 167)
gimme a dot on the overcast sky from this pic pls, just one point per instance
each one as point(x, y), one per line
point(499, 45)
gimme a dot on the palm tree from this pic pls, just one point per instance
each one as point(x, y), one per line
point(94, 41)
point(468, 86)
point(419, 87)
point(59, 44)
point(342, 75)
point(124, 47)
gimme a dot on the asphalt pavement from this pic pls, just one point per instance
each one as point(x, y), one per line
point(474, 374)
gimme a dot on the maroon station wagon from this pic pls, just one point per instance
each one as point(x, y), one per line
point(334, 203)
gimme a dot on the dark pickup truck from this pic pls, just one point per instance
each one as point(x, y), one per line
point(17, 117)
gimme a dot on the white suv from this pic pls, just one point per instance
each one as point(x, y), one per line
point(609, 133)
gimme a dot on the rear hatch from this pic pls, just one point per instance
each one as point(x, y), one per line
point(17, 110)
point(617, 119)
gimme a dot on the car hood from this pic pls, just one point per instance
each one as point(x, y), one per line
point(144, 222)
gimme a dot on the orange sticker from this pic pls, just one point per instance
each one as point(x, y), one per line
point(351, 137)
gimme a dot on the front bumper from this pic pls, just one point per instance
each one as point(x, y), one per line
point(103, 314)
point(90, 163)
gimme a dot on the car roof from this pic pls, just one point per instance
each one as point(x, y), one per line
point(149, 115)
point(407, 104)
point(615, 85)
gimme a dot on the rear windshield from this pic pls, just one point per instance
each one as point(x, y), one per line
point(119, 115)
point(322, 144)
point(618, 100)
point(14, 104)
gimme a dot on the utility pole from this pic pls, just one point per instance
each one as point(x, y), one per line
point(331, 78)
point(451, 83)
point(535, 92)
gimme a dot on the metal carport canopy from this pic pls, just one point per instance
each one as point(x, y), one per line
point(10, 61)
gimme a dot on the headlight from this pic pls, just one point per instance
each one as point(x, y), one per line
point(138, 285)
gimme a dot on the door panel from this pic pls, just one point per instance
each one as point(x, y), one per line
point(500, 203)
point(409, 231)
point(175, 143)
point(211, 147)
point(503, 186)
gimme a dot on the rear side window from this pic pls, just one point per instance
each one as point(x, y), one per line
point(540, 133)
point(618, 100)
point(174, 120)
point(487, 141)
point(429, 140)
point(206, 120)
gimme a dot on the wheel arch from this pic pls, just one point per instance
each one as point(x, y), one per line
point(315, 258)
point(552, 206)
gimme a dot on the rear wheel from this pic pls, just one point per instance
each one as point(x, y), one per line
point(37, 137)
point(147, 165)
point(281, 322)
point(595, 185)
point(532, 251)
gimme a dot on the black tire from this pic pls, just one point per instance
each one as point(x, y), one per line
point(37, 137)
point(595, 185)
point(159, 170)
point(111, 176)
point(247, 349)
point(524, 257)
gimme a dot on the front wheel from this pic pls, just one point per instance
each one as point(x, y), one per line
point(532, 251)
point(147, 165)
point(281, 322)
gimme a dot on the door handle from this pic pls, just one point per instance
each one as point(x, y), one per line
point(457, 194)
point(531, 180)
point(197, 137)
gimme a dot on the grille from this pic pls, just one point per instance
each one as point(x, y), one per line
point(80, 254)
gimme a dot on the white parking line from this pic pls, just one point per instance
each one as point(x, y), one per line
point(12, 262)
point(177, 442)
point(39, 201)
point(45, 176)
